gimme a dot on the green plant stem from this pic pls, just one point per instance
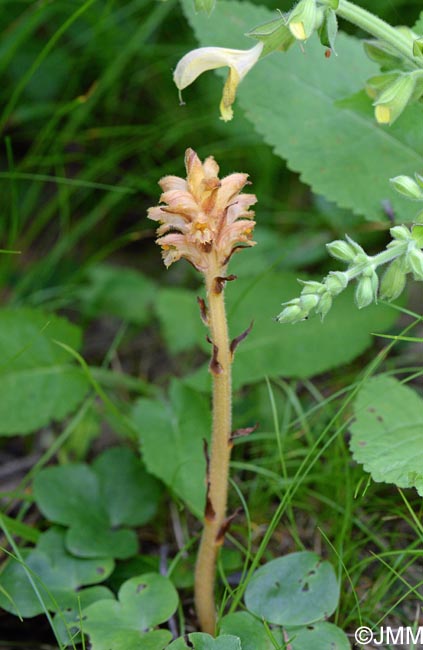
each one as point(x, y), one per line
point(378, 28)
point(384, 257)
point(220, 450)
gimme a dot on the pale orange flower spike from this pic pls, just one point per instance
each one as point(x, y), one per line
point(203, 219)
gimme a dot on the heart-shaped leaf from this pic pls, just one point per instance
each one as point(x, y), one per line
point(386, 437)
point(68, 622)
point(57, 575)
point(143, 603)
point(319, 636)
point(95, 502)
point(296, 589)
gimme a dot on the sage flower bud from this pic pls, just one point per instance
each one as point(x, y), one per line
point(394, 99)
point(367, 287)
point(400, 232)
point(408, 187)
point(393, 280)
point(341, 250)
point(311, 286)
point(291, 314)
point(325, 303)
point(308, 301)
point(336, 282)
point(415, 259)
point(302, 19)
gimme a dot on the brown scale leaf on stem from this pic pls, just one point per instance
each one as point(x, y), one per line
point(203, 310)
point(220, 281)
point(239, 433)
point(215, 366)
point(241, 337)
point(221, 533)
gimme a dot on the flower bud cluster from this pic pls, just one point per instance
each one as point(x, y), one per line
point(403, 255)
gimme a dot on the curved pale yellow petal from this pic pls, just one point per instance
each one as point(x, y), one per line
point(210, 58)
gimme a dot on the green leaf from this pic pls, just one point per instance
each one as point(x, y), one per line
point(320, 636)
point(143, 602)
point(201, 641)
point(291, 99)
point(386, 435)
point(96, 502)
point(57, 575)
point(39, 381)
point(418, 27)
point(296, 589)
point(171, 435)
point(117, 291)
point(250, 630)
point(67, 623)
point(179, 316)
point(303, 350)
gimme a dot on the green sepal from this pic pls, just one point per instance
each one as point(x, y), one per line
point(418, 48)
point(332, 4)
point(275, 36)
point(206, 6)
point(328, 30)
point(383, 55)
point(417, 233)
point(377, 84)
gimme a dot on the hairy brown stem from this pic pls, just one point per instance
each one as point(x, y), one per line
point(220, 450)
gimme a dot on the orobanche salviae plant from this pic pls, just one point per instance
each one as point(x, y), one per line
point(205, 220)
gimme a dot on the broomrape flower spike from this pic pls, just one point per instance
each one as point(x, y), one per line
point(205, 220)
point(202, 59)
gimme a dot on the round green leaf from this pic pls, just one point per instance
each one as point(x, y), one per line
point(319, 636)
point(143, 602)
point(57, 575)
point(131, 495)
point(386, 436)
point(250, 630)
point(296, 589)
point(201, 641)
point(95, 501)
point(67, 623)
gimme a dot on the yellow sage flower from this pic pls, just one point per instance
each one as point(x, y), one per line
point(198, 61)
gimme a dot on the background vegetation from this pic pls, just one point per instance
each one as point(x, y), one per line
point(90, 121)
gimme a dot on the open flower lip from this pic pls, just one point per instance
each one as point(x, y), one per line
point(203, 59)
point(202, 218)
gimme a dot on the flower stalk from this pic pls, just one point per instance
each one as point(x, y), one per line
point(205, 220)
point(218, 464)
point(403, 255)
